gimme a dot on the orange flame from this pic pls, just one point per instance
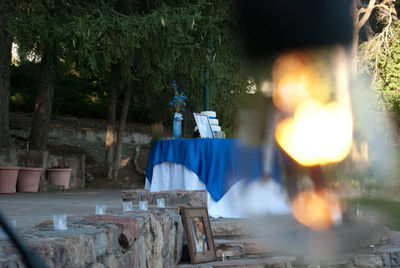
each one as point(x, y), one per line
point(317, 134)
point(317, 210)
point(321, 127)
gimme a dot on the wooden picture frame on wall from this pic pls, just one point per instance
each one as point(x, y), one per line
point(198, 234)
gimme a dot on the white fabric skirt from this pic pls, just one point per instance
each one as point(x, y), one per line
point(242, 200)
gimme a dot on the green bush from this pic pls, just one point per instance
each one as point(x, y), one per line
point(72, 95)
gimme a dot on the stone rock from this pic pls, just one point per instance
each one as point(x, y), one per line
point(281, 261)
point(172, 198)
point(66, 251)
point(256, 247)
point(368, 260)
point(395, 258)
point(128, 227)
point(386, 259)
point(10, 264)
point(126, 260)
point(100, 242)
point(139, 138)
point(9, 156)
point(97, 265)
point(110, 262)
point(222, 227)
point(154, 242)
point(91, 243)
point(140, 158)
point(334, 261)
point(229, 249)
point(140, 253)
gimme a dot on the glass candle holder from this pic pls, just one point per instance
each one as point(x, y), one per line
point(160, 202)
point(101, 209)
point(127, 206)
point(60, 222)
point(143, 205)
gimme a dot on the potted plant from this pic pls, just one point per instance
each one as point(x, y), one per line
point(60, 175)
point(8, 179)
point(28, 179)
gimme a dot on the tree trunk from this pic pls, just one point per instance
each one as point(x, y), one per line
point(360, 17)
point(110, 135)
point(44, 101)
point(121, 131)
point(5, 62)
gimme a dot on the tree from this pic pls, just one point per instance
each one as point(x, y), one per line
point(133, 50)
point(142, 46)
point(379, 56)
point(5, 63)
point(43, 30)
point(361, 15)
point(44, 101)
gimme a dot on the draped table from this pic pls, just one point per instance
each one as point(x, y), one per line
point(224, 167)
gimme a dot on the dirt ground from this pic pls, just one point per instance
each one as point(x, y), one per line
point(128, 178)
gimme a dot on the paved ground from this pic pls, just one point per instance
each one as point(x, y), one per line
point(29, 209)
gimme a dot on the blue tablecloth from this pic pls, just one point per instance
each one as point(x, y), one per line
point(219, 163)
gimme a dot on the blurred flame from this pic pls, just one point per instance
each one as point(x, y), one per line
point(317, 134)
point(297, 78)
point(320, 131)
point(317, 210)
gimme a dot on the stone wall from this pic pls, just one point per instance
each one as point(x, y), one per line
point(8, 156)
point(90, 141)
point(150, 239)
point(172, 198)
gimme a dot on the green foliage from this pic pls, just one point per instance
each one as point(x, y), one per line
point(72, 95)
point(383, 60)
point(390, 209)
point(139, 44)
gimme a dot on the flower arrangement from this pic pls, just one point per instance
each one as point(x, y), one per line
point(179, 99)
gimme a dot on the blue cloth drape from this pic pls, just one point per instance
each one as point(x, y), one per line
point(219, 163)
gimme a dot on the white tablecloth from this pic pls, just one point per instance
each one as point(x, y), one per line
point(242, 200)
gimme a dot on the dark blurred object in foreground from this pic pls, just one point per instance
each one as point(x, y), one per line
point(270, 27)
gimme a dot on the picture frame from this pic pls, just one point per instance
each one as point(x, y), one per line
point(204, 126)
point(198, 234)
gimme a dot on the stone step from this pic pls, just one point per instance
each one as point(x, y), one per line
point(284, 261)
point(251, 253)
point(230, 227)
point(242, 248)
point(172, 198)
point(383, 256)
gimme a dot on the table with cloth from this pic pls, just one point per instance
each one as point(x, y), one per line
point(230, 172)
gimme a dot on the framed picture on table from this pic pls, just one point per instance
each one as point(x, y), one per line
point(204, 126)
point(198, 234)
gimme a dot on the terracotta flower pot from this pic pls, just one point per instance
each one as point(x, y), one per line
point(8, 179)
point(59, 176)
point(28, 179)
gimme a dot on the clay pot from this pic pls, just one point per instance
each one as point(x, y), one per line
point(8, 179)
point(59, 176)
point(28, 180)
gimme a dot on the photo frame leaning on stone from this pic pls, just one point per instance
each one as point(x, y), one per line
point(196, 223)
